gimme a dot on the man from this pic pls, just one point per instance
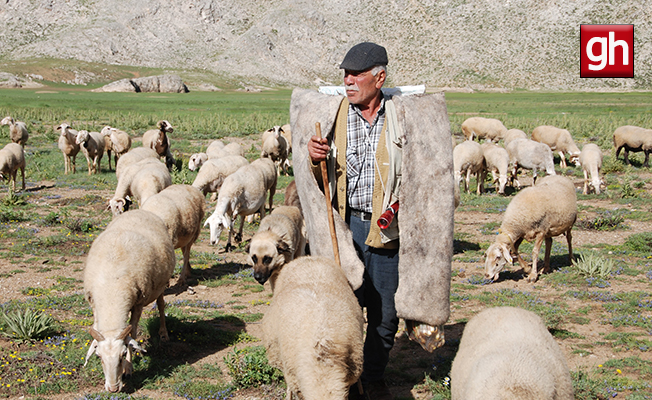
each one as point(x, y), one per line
point(368, 189)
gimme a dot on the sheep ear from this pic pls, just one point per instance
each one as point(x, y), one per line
point(507, 255)
point(91, 350)
point(124, 333)
point(134, 345)
point(96, 335)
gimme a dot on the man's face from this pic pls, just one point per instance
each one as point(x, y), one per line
point(361, 86)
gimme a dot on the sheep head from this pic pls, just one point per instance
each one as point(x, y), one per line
point(82, 137)
point(106, 131)
point(114, 354)
point(119, 205)
point(268, 253)
point(498, 255)
point(575, 158)
point(217, 223)
point(196, 161)
point(7, 121)
point(164, 126)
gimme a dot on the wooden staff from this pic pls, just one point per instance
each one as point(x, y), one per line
point(329, 206)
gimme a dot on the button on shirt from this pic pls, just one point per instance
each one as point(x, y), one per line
point(362, 140)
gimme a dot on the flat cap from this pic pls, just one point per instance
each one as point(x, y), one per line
point(363, 56)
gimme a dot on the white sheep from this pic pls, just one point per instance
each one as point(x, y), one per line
point(535, 214)
point(197, 160)
point(286, 131)
point(280, 239)
point(17, 130)
point(507, 353)
point(490, 129)
point(497, 161)
point(12, 158)
point(181, 207)
point(635, 139)
point(242, 193)
point(133, 156)
point(530, 155)
point(115, 140)
point(591, 162)
point(128, 266)
point(68, 146)
point(142, 180)
point(275, 147)
point(558, 140)
point(468, 159)
point(312, 330)
point(158, 140)
point(212, 173)
point(269, 173)
point(513, 134)
point(92, 145)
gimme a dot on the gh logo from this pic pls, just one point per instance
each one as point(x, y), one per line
point(607, 51)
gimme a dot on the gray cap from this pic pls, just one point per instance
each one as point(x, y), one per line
point(363, 56)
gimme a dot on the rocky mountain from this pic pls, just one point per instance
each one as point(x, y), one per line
point(478, 44)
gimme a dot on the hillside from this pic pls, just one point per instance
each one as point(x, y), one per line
point(478, 44)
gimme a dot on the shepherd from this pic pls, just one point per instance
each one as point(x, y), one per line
point(381, 151)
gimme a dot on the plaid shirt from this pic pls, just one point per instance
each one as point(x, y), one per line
point(362, 140)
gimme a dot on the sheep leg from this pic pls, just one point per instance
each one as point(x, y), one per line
point(480, 177)
point(231, 226)
point(626, 155)
point(238, 236)
point(546, 260)
point(647, 156)
point(521, 262)
point(162, 330)
point(467, 181)
point(562, 159)
point(532, 277)
point(136, 312)
point(22, 172)
point(185, 270)
point(66, 164)
point(89, 165)
point(618, 151)
point(586, 183)
point(108, 153)
point(569, 240)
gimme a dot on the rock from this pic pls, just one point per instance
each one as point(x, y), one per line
point(9, 81)
point(123, 85)
point(147, 84)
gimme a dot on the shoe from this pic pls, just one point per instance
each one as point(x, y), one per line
point(378, 390)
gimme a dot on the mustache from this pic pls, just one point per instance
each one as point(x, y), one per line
point(352, 87)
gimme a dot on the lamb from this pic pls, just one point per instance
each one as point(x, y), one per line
point(117, 141)
point(181, 207)
point(530, 155)
point(211, 175)
point(158, 140)
point(538, 212)
point(197, 160)
point(633, 138)
point(12, 158)
point(468, 159)
point(591, 161)
point(275, 147)
point(216, 149)
point(497, 161)
point(558, 140)
point(132, 157)
point(92, 145)
point(242, 193)
point(507, 353)
point(513, 134)
point(313, 329)
point(17, 130)
point(68, 146)
point(490, 129)
point(280, 239)
point(128, 266)
point(142, 180)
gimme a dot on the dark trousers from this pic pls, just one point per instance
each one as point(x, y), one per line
point(377, 294)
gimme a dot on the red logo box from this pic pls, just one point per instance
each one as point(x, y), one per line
point(607, 51)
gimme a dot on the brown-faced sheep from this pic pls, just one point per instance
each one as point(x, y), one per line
point(507, 353)
point(535, 214)
point(12, 158)
point(17, 130)
point(490, 129)
point(635, 139)
point(92, 145)
point(591, 161)
point(313, 329)
point(468, 159)
point(128, 266)
point(158, 140)
point(558, 140)
point(69, 147)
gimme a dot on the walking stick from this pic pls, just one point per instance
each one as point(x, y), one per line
point(329, 206)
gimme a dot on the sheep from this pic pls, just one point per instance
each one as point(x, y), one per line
point(142, 180)
point(468, 158)
point(558, 140)
point(591, 162)
point(242, 193)
point(635, 139)
point(181, 207)
point(497, 161)
point(286, 131)
point(158, 140)
point(530, 155)
point(275, 147)
point(269, 173)
point(128, 266)
point(539, 212)
point(117, 141)
point(12, 158)
point(197, 160)
point(507, 353)
point(513, 134)
point(17, 130)
point(92, 145)
point(132, 157)
point(490, 129)
point(214, 149)
point(211, 175)
point(279, 240)
point(234, 149)
point(292, 196)
point(312, 330)
point(68, 146)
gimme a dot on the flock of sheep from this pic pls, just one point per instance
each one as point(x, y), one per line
point(313, 329)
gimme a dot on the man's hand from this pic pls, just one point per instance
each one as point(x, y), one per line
point(318, 149)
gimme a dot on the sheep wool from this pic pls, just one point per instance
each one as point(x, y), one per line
point(12, 158)
point(490, 129)
point(591, 162)
point(634, 139)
